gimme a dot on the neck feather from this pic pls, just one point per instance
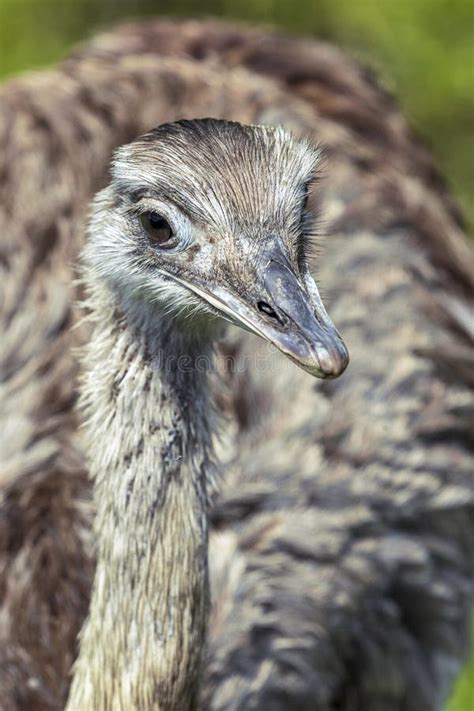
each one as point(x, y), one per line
point(149, 444)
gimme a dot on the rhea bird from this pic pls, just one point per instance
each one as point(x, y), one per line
point(341, 529)
point(203, 221)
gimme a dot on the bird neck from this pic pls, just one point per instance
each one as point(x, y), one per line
point(149, 444)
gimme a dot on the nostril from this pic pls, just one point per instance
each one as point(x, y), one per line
point(270, 312)
point(267, 309)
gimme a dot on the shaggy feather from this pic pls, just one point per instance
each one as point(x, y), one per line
point(341, 560)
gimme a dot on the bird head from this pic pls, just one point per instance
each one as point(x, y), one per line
point(207, 220)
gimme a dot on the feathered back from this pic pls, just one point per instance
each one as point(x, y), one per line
point(341, 553)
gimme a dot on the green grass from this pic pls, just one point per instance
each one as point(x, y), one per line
point(422, 48)
point(462, 697)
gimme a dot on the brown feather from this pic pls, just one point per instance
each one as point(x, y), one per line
point(343, 571)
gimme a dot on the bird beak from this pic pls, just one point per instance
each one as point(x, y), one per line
point(287, 312)
point(297, 322)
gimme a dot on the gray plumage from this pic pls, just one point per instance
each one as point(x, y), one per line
point(341, 564)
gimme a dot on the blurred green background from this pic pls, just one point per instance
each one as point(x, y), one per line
point(423, 49)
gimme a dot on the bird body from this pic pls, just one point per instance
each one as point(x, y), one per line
point(340, 557)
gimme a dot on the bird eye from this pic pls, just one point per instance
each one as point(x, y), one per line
point(157, 229)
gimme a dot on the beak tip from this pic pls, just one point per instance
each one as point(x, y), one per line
point(334, 361)
point(321, 361)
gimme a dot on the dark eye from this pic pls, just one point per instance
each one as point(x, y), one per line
point(157, 229)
